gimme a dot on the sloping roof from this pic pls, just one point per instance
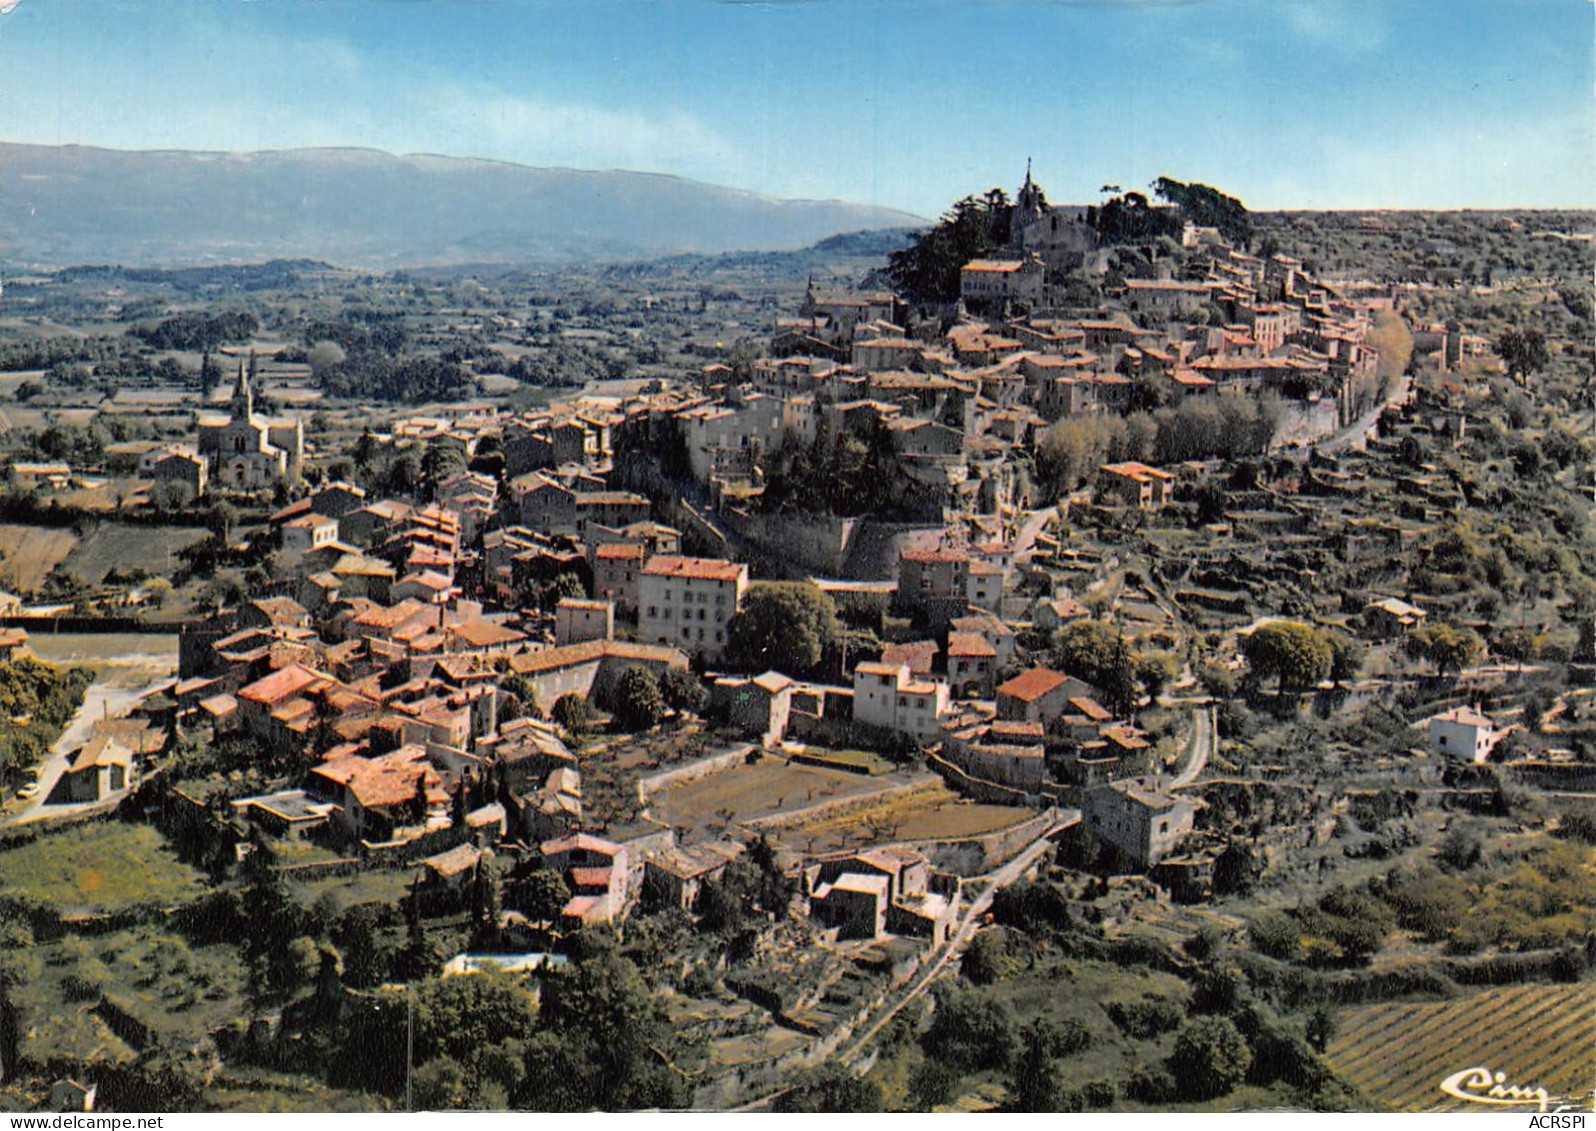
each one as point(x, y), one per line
point(585, 842)
point(484, 634)
point(920, 655)
point(1139, 472)
point(1032, 685)
point(969, 644)
point(457, 860)
point(280, 685)
point(701, 569)
point(1463, 716)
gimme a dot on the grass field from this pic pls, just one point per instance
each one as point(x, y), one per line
point(377, 885)
point(866, 760)
point(931, 813)
point(103, 866)
point(112, 545)
point(1399, 1053)
point(180, 992)
point(29, 553)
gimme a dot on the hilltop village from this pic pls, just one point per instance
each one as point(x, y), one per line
point(1161, 636)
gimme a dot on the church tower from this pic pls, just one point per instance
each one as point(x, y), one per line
point(1029, 206)
point(244, 392)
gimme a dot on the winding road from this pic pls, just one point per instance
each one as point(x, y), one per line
point(1204, 741)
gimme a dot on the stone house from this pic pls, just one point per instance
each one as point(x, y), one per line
point(689, 602)
point(1139, 817)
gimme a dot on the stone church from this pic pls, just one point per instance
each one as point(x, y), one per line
point(1061, 237)
point(247, 451)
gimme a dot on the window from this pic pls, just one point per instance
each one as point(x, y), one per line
point(653, 610)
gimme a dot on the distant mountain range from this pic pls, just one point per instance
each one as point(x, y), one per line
point(62, 205)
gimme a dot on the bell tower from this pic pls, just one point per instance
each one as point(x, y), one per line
point(244, 392)
point(1029, 205)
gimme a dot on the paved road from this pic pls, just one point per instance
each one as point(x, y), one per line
point(1204, 740)
point(1025, 540)
point(1356, 434)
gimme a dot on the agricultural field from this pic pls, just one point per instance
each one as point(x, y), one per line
point(114, 546)
point(29, 553)
point(934, 812)
point(750, 792)
point(99, 867)
point(1398, 1054)
point(146, 654)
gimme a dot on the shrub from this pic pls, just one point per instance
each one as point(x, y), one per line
point(1276, 934)
point(1148, 1018)
point(968, 1030)
point(1151, 1084)
point(1099, 1093)
point(1210, 1059)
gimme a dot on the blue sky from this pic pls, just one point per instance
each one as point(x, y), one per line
point(905, 103)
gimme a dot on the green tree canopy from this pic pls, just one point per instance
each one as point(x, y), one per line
point(1208, 207)
point(1523, 351)
point(1210, 1059)
point(786, 626)
point(927, 270)
point(1298, 655)
point(639, 703)
point(830, 1088)
point(1450, 647)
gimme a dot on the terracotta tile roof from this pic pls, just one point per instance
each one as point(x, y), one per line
point(1006, 728)
point(619, 551)
point(1030, 686)
point(918, 654)
point(1139, 472)
point(969, 644)
point(1463, 716)
point(586, 842)
point(935, 554)
point(995, 266)
point(484, 634)
point(698, 569)
point(280, 685)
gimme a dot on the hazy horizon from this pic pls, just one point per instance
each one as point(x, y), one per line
point(906, 104)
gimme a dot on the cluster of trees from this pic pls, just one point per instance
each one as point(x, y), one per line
point(36, 702)
point(1130, 218)
point(1208, 207)
point(850, 473)
point(927, 271)
point(412, 379)
point(1097, 653)
point(564, 365)
point(363, 355)
point(787, 626)
point(1071, 450)
point(590, 1039)
point(1346, 927)
point(1301, 656)
point(1450, 647)
point(1523, 351)
point(197, 330)
point(640, 701)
